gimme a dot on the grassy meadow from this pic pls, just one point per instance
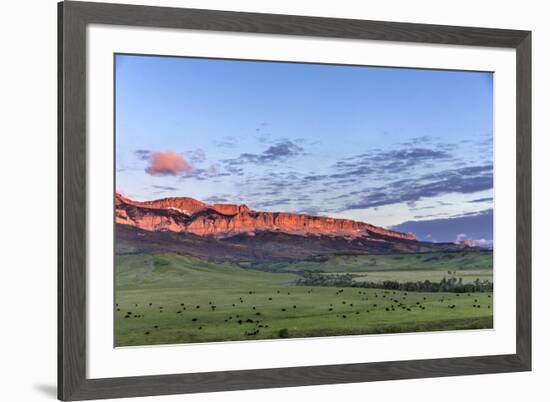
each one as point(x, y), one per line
point(171, 298)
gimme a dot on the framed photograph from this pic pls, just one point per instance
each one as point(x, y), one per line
point(255, 201)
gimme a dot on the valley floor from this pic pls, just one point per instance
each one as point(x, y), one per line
point(171, 299)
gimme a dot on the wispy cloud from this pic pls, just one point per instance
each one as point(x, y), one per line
point(283, 150)
point(164, 188)
point(142, 154)
point(486, 199)
point(465, 180)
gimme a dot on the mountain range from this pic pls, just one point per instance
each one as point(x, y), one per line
point(236, 232)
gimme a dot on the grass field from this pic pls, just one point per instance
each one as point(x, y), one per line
point(169, 298)
point(442, 262)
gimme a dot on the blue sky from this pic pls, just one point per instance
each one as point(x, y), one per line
point(381, 145)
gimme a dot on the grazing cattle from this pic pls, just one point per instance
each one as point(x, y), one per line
point(194, 319)
point(294, 306)
point(283, 309)
point(156, 326)
point(147, 332)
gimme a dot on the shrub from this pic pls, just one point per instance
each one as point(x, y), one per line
point(283, 333)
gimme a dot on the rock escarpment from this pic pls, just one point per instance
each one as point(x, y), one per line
point(184, 214)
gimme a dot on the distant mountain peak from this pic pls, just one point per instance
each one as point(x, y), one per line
point(188, 215)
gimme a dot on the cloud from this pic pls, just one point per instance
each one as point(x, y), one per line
point(283, 150)
point(226, 142)
point(198, 156)
point(481, 200)
point(390, 161)
point(466, 226)
point(143, 154)
point(201, 174)
point(164, 188)
point(466, 180)
point(167, 164)
point(217, 199)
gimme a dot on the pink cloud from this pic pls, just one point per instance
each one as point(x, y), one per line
point(167, 164)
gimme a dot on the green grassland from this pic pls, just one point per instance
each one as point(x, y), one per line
point(442, 262)
point(170, 298)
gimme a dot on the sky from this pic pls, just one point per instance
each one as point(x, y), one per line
point(410, 149)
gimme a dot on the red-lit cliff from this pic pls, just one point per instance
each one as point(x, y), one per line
point(183, 214)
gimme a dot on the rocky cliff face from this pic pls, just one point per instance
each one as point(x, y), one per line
point(183, 214)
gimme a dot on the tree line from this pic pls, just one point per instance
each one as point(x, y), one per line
point(454, 285)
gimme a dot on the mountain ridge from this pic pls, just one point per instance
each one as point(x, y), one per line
point(188, 215)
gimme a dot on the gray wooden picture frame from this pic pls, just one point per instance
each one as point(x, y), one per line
point(73, 18)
